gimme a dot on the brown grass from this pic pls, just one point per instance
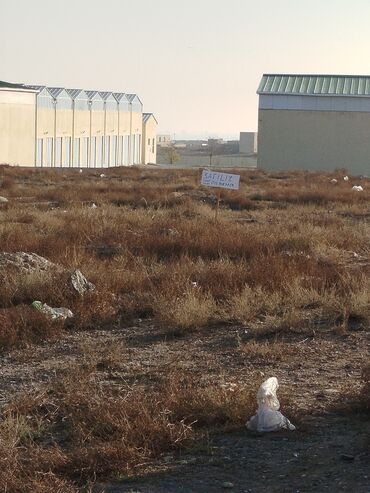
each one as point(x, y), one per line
point(290, 254)
point(153, 236)
point(77, 429)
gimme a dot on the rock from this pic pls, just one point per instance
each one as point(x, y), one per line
point(228, 486)
point(31, 262)
point(28, 262)
point(54, 313)
point(347, 457)
point(80, 283)
point(3, 200)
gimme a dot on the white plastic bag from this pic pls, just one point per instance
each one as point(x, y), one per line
point(268, 416)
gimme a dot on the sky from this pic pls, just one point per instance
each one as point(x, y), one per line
point(196, 63)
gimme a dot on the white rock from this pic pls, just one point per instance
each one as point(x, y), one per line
point(80, 283)
point(102, 175)
point(23, 261)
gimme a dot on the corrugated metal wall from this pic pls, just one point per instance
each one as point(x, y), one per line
point(77, 128)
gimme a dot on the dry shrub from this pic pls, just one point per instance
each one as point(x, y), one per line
point(192, 310)
point(23, 324)
point(237, 201)
point(252, 303)
point(25, 287)
point(7, 183)
point(103, 358)
point(95, 309)
point(266, 352)
point(144, 254)
point(79, 429)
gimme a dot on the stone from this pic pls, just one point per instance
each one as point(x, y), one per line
point(80, 283)
point(347, 457)
point(27, 262)
point(3, 200)
point(228, 486)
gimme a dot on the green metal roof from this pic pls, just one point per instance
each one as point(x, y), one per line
point(315, 85)
point(11, 85)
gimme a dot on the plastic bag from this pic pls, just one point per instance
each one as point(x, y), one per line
point(268, 417)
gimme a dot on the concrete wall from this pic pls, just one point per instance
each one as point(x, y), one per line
point(17, 127)
point(217, 161)
point(248, 143)
point(149, 143)
point(136, 137)
point(64, 122)
point(314, 140)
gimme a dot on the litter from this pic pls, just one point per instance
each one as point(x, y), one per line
point(81, 170)
point(333, 181)
point(268, 417)
point(93, 206)
point(54, 313)
point(345, 178)
point(3, 200)
point(357, 188)
point(102, 175)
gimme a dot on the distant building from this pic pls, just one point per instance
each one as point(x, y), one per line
point(213, 142)
point(71, 128)
point(164, 140)
point(314, 122)
point(248, 143)
point(149, 138)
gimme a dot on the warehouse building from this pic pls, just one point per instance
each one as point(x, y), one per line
point(314, 122)
point(73, 128)
point(149, 137)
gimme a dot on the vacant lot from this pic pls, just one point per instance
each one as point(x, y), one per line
point(148, 387)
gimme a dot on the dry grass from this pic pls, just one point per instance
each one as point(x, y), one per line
point(290, 254)
point(365, 397)
point(153, 236)
point(78, 429)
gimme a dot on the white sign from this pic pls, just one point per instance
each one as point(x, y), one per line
point(221, 180)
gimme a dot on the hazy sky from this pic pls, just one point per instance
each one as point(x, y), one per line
point(195, 63)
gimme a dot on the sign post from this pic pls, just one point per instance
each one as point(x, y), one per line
point(220, 180)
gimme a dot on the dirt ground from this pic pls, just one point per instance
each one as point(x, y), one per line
point(328, 452)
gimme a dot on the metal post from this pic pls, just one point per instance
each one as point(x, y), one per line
point(218, 204)
point(73, 135)
point(55, 134)
point(90, 136)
